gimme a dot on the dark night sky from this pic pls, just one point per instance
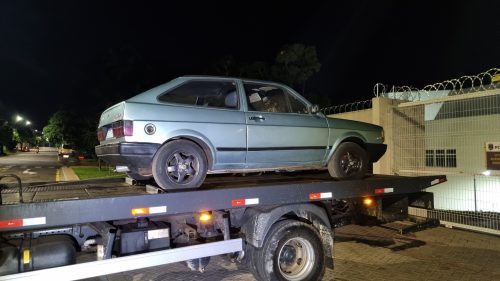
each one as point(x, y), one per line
point(50, 51)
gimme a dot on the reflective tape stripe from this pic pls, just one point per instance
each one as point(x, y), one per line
point(384, 190)
point(11, 223)
point(158, 210)
point(322, 195)
point(34, 221)
point(22, 222)
point(244, 202)
point(252, 201)
point(149, 211)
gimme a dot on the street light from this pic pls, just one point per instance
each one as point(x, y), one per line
point(19, 118)
point(28, 123)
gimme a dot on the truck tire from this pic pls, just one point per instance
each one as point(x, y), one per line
point(350, 161)
point(292, 250)
point(179, 164)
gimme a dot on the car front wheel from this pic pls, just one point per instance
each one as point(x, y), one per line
point(350, 161)
point(179, 164)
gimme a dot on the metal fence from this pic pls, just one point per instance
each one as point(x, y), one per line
point(348, 107)
point(465, 84)
point(444, 130)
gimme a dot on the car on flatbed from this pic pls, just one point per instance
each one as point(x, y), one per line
point(194, 125)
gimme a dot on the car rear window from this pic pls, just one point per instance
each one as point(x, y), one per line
point(67, 146)
point(220, 94)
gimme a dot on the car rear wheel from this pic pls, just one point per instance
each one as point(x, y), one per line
point(349, 161)
point(179, 164)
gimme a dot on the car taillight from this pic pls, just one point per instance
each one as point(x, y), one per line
point(101, 133)
point(123, 128)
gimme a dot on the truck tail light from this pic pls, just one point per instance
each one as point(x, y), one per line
point(123, 128)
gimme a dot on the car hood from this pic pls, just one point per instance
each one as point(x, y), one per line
point(337, 123)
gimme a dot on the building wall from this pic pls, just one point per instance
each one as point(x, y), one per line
point(409, 132)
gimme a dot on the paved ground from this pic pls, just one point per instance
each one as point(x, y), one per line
point(30, 166)
point(371, 253)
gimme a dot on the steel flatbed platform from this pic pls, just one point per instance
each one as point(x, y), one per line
point(59, 204)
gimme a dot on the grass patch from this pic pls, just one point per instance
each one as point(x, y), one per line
point(93, 172)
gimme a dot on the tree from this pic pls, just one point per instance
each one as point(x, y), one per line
point(225, 66)
point(295, 64)
point(255, 70)
point(23, 135)
point(54, 131)
point(77, 129)
point(5, 135)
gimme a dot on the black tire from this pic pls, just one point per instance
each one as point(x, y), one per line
point(350, 161)
point(138, 177)
point(292, 250)
point(179, 164)
point(251, 258)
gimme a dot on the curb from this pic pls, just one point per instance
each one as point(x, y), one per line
point(66, 174)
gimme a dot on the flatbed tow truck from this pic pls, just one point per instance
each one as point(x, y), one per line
point(279, 226)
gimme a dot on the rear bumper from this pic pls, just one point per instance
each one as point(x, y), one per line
point(375, 151)
point(136, 156)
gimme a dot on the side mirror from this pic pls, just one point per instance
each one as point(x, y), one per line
point(313, 109)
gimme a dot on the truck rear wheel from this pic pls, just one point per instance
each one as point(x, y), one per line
point(292, 250)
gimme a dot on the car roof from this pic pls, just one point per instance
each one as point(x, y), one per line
point(229, 77)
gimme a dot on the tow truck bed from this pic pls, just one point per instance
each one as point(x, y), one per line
point(91, 201)
point(244, 213)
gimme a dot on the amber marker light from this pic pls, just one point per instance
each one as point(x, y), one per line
point(368, 202)
point(205, 217)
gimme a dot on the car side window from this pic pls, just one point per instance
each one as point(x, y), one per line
point(270, 98)
point(266, 98)
point(219, 94)
point(296, 105)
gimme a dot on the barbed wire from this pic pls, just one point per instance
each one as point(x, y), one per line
point(348, 107)
point(465, 84)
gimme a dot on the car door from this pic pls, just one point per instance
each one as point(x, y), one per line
point(208, 109)
point(280, 130)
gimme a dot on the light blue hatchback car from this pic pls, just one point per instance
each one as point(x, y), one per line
point(194, 125)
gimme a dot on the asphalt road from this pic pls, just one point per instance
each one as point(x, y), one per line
point(30, 166)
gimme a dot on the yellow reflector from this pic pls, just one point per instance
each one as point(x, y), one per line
point(140, 211)
point(26, 256)
point(205, 217)
point(368, 202)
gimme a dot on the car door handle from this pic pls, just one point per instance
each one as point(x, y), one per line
point(257, 118)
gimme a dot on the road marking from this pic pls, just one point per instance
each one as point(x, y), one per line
point(38, 167)
point(27, 171)
point(58, 175)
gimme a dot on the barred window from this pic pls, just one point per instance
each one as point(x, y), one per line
point(429, 158)
point(440, 158)
point(451, 158)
